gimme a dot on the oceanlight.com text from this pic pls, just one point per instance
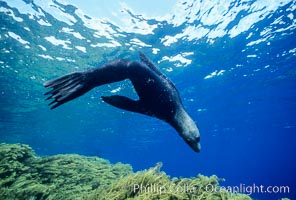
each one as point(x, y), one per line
point(210, 188)
point(250, 189)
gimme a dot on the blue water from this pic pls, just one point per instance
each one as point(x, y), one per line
point(232, 61)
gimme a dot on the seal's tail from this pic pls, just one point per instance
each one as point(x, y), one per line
point(66, 88)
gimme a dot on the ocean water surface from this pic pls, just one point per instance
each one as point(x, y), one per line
point(232, 61)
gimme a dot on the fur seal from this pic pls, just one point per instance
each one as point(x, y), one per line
point(158, 96)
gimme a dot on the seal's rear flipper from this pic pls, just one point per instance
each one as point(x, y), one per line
point(124, 103)
point(66, 88)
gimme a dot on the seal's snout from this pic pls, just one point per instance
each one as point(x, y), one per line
point(196, 146)
point(194, 143)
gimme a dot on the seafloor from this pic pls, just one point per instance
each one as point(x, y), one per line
point(23, 175)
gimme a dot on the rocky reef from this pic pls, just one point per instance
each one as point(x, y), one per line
point(23, 175)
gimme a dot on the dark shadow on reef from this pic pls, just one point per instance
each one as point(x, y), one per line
point(23, 175)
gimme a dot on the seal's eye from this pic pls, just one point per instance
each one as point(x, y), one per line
point(198, 139)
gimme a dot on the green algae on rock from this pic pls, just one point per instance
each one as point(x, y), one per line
point(23, 175)
point(155, 184)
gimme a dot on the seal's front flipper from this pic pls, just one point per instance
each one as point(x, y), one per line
point(67, 87)
point(124, 103)
point(144, 59)
point(148, 62)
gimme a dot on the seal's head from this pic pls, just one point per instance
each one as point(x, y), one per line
point(191, 137)
point(187, 129)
